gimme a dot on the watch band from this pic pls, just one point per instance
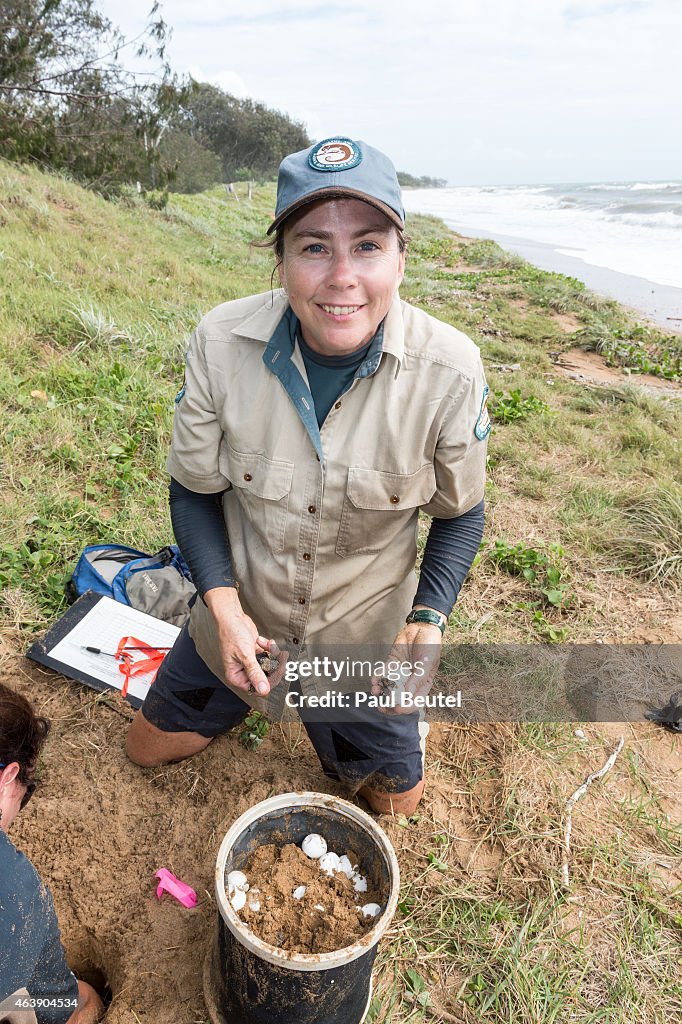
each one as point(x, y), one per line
point(428, 615)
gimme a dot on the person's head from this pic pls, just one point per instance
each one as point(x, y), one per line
point(22, 735)
point(339, 241)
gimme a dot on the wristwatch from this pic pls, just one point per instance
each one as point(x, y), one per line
point(428, 615)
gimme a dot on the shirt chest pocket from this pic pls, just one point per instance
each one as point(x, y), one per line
point(381, 508)
point(262, 488)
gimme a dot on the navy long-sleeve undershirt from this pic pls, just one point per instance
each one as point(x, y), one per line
point(201, 535)
point(451, 546)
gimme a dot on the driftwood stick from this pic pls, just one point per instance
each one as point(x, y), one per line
point(572, 801)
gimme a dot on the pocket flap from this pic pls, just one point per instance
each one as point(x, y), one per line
point(266, 478)
point(374, 489)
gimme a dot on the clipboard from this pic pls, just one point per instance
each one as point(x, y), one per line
point(99, 622)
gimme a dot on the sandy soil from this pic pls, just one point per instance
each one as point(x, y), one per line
point(99, 827)
point(323, 919)
point(591, 368)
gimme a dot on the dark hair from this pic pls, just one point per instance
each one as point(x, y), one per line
point(22, 732)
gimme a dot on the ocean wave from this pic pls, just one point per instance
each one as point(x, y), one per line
point(651, 210)
point(604, 187)
point(655, 186)
point(667, 221)
point(633, 232)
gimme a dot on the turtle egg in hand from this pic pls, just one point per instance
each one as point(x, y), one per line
point(299, 892)
point(371, 909)
point(359, 883)
point(329, 863)
point(314, 846)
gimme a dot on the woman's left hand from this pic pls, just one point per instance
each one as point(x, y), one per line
point(416, 649)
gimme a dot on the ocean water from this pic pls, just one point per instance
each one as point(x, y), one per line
point(631, 228)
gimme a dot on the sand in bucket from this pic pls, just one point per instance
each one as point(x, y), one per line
point(288, 975)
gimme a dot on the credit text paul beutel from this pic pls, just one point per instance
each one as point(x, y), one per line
point(394, 699)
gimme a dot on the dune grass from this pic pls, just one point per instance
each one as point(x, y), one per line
point(99, 299)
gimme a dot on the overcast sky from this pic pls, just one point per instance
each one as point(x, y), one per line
point(479, 93)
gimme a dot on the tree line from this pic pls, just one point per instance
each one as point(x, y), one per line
point(410, 181)
point(69, 101)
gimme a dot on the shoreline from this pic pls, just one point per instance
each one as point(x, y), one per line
point(660, 304)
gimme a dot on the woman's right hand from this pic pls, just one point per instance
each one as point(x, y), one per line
point(240, 641)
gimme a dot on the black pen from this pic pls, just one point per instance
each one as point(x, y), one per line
point(107, 654)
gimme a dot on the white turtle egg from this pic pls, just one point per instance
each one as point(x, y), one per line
point(299, 892)
point(329, 863)
point(346, 866)
point(238, 899)
point(237, 880)
point(371, 909)
point(359, 883)
point(254, 905)
point(314, 846)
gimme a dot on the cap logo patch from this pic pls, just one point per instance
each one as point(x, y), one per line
point(335, 155)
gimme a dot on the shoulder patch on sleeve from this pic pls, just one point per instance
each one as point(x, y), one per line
point(482, 428)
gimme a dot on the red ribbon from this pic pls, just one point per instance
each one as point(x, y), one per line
point(149, 660)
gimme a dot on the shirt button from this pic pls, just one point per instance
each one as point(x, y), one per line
point(395, 499)
point(301, 600)
point(306, 557)
point(294, 640)
point(247, 476)
point(338, 405)
point(312, 509)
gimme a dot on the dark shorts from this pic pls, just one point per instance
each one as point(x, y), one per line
point(380, 750)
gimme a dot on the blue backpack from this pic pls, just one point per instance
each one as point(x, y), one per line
point(159, 584)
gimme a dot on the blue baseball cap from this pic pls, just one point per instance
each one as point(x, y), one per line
point(338, 168)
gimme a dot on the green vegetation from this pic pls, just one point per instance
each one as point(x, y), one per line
point(410, 181)
point(494, 938)
point(643, 350)
point(540, 569)
point(584, 531)
point(100, 299)
point(253, 730)
point(652, 540)
point(512, 407)
point(69, 100)
point(544, 572)
point(248, 139)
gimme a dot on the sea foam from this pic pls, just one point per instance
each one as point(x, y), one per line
point(602, 223)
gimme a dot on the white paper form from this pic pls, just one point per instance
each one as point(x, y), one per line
point(103, 627)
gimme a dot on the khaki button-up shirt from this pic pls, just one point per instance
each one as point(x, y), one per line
point(323, 521)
